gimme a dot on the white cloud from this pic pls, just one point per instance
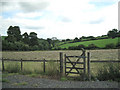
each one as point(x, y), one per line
point(62, 18)
point(29, 15)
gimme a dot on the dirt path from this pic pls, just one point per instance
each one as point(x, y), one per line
point(22, 81)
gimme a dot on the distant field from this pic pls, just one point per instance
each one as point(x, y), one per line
point(54, 55)
point(100, 43)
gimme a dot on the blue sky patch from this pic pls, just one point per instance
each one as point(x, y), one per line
point(9, 14)
point(101, 4)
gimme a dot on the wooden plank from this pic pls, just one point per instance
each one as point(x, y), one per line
point(11, 60)
point(76, 62)
point(73, 72)
point(74, 68)
point(105, 61)
point(32, 60)
point(76, 56)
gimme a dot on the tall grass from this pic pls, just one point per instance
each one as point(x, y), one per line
point(51, 68)
point(109, 72)
point(12, 67)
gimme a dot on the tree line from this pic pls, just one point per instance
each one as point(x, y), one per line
point(25, 42)
point(110, 34)
point(16, 41)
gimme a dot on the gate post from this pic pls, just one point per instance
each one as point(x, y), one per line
point(84, 58)
point(88, 65)
point(61, 63)
point(65, 63)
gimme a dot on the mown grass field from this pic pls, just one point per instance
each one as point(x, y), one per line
point(99, 43)
point(110, 54)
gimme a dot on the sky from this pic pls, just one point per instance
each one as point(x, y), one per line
point(59, 18)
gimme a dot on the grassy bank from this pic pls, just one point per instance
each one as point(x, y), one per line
point(99, 43)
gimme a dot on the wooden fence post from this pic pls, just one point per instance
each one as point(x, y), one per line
point(61, 63)
point(88, 65)
point(84, 63)
point(44, 65)
point(65, 64)
point(21, 65)
point(3, 69)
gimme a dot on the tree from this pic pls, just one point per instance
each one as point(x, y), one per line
point(76, 39)
point(33, 39)
point(25, 38)
point(112, 33)
point(14, 32)
point(67, 39)
point(50, 42)
point(10, 38)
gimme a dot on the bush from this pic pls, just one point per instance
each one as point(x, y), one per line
point(91, 46)
point(109, 72)
point(110, 46)
point(118, 45)
point(80, 46)
point(72, 48)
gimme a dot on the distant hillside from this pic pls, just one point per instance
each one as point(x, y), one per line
point(99, 43)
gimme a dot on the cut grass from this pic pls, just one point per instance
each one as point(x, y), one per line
point(99, 43)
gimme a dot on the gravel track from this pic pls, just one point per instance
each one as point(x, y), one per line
point(15, 80)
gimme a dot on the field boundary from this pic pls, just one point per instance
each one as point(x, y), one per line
point(62, 61)
point(44, 63)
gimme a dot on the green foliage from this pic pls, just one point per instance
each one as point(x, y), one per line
point(10, 38)
point(118, 45)
point(79, 47)
point(33, 39)
point(110, 46)
point(76, 40)
point(3, 37)
point(109, 72)
point(13, 67)
point(17, 42)
point(113, 33)
point(25, 38)
point(14, 34)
